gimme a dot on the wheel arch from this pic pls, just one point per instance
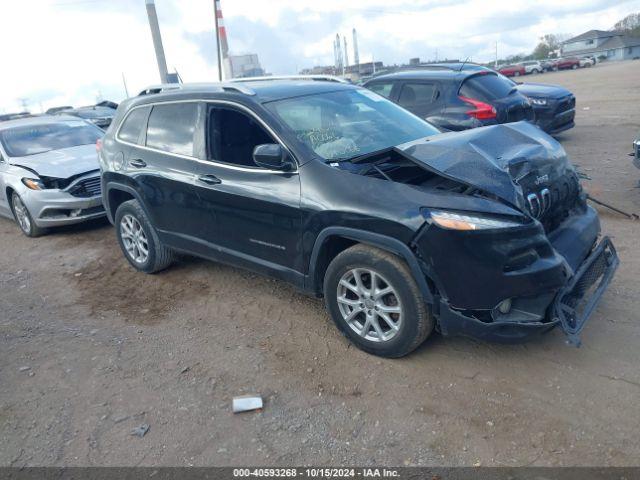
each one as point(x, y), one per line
point(333, 240)
point(116, 194)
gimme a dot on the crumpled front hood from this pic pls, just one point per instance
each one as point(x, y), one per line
point(62, 163)
point(492, 159)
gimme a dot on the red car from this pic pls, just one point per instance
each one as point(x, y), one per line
point(512, 70)
point(568, 62)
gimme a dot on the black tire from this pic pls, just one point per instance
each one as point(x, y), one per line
point(159, 256)
point(417, 321)
point(516, 74)
point(33, 230)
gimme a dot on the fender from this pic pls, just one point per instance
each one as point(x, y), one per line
point(384, 242)
point(113, 185)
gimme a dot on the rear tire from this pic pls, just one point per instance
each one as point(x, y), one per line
point(23, 218)
point(138, 239)
point(390, 324)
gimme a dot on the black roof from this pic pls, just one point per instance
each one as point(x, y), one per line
point(250, 91)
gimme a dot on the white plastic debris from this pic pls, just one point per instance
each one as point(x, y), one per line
point(246, 403)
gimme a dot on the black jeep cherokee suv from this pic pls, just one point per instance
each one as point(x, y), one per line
point(346, 195)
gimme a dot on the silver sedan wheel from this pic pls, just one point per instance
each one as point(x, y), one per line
point(134, 239)
point(21, 213)
point(369, 304)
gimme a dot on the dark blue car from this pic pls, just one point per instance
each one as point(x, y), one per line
point(553, 106)
point(454, 99)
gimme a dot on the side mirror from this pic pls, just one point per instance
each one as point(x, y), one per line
point(273, 157)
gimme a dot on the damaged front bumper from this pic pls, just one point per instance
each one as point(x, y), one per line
point(576, 301)
point(571, 306)
point(564, 294)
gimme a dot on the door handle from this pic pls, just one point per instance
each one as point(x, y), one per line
point(209, 179)
point(137, 163)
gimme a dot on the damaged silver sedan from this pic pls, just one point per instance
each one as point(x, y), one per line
point(49, 173)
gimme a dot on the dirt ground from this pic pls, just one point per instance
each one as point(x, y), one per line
point(90, 349)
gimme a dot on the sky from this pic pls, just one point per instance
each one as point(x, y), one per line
point(74, 52)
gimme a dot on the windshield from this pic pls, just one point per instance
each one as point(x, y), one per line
point(34, 139)
point(349, 123)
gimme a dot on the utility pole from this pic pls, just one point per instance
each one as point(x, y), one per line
point(225, 68)
point(215, 7)
point(124, 82)
point(157, 39)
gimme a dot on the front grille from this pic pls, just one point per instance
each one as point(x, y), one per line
point(551, 202)
point(566, 103)
point(89, 187)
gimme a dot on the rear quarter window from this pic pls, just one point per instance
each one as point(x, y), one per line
point(133, 125)
point(171, 127)
point(486, 87)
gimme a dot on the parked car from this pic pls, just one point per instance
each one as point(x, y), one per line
point(49, 173)
point(512, 70)
point(13, 116)
point(346, 195)
point(587, 61)
point(567, 63)
point(636, 152)
point(532, 66)
point(99, 116)
point(554, 106)
point(453, 99)
point(547, 65)
point(54, 110)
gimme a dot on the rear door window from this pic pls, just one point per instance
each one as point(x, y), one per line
point(486, 87)
point(417, 95)
point(133, 125)
point(171, 127)
point(381, 88)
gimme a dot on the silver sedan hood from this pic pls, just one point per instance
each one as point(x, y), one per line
point(63, 163)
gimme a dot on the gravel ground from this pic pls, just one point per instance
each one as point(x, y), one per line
point(90, 349)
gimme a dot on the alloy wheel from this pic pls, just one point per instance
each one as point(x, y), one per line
point(134, 239)
point(369, 304)
point(22, 215)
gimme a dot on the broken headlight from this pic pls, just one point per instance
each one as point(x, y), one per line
point(33, 183)
point(459, 221)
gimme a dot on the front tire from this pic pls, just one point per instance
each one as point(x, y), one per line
point(374, 300)
point(23, 218)
point(138, 239)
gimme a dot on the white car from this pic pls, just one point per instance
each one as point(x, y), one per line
point(532, 66)
point(587, 62)
point(49, 172)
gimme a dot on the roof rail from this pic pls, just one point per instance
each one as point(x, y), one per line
point(218, 86)
point(318, 78)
